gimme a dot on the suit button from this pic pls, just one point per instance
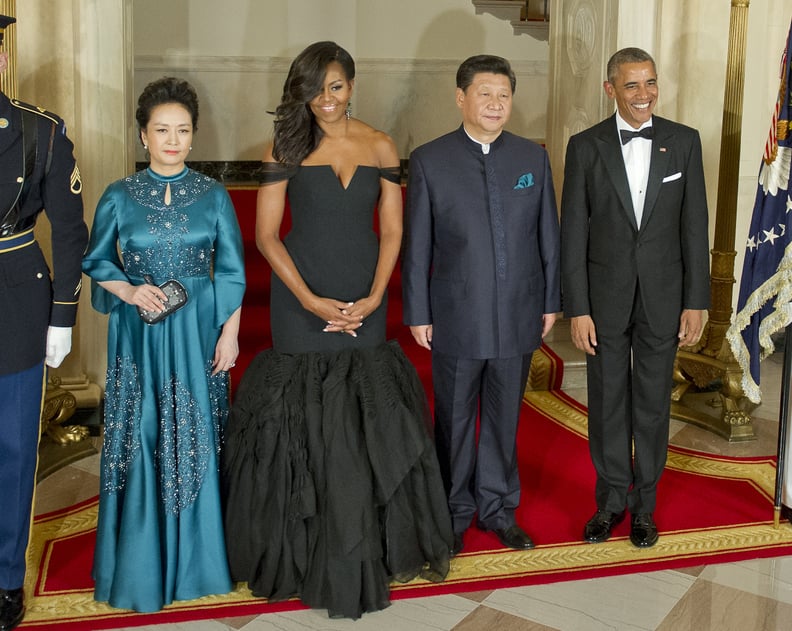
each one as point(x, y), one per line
point(39, 275)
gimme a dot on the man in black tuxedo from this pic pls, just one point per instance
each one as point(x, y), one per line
point(635, 278)
point(37, 311)
point(481, 284)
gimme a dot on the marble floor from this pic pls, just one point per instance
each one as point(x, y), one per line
point(750, 595)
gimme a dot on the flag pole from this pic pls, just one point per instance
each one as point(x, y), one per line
point(783, 424)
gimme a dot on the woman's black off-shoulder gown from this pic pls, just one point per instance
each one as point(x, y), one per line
point(332, 487)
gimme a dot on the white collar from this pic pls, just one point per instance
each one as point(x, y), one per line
point(485, 146)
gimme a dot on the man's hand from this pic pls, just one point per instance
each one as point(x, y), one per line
point(548, 320)
point(691, 325)
point(584, 334)
point(423, 335)
point(58, 345)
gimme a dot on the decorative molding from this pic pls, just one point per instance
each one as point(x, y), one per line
point(538, 29)
point(514, 11)
point(503, 9)
point(186, 62)
point(581, 36)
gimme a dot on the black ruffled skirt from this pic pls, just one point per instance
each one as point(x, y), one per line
point(331, 483)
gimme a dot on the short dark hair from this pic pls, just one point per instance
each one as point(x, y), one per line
point(483, 63)
point(166, 90)
point(627, 56)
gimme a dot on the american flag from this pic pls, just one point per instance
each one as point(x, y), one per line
point(765, 303)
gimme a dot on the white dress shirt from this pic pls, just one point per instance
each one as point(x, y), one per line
point(637, 155)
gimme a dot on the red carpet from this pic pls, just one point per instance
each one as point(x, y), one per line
point(712, 509)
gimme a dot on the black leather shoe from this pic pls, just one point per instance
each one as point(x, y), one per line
point(12, 608)
point(458, 544)
point(514, 537)
point(599, 527)
point(643, 531)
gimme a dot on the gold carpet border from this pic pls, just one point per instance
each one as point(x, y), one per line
point(552, 560)
point(576, 557)
point(544, 371)
point(467, 568)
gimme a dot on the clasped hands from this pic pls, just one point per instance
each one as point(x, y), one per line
point(344, 317)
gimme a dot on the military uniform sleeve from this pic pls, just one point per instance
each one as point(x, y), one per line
point(62, 197)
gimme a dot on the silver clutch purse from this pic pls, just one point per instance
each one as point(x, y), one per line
point(177, 298)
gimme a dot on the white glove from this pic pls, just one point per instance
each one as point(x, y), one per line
point(58, 345)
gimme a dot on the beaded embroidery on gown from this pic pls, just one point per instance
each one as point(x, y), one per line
point(330, 477)
point(159, 534)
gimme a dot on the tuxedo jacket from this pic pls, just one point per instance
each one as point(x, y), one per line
point(481, 260)
point(33, 297)
point(608, 261)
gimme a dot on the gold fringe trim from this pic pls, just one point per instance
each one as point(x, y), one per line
point(778, 286)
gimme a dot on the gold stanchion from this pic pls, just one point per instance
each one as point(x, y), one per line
point(708, 390)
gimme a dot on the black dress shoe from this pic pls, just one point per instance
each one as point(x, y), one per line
point(458, 544)
point(12, 608)
point(514, 537)
point(643, 531)
point(599, 527)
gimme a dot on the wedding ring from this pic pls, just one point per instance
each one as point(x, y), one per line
point(232, 365)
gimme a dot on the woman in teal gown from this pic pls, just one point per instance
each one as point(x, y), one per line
point(160, 535)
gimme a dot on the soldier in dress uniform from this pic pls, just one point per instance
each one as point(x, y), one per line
point(37, 309)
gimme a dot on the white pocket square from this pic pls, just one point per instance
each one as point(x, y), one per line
point(671, 178)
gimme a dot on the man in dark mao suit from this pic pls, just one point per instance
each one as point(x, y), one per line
point(481, 283)
point(635, 261)
point(36, 311)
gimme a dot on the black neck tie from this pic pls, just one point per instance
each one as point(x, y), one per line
point(627, 135)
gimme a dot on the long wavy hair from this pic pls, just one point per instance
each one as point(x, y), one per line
point(296, 131)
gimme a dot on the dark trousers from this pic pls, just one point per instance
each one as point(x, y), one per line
point(629, 401)
point(21, 396)
point(480, 476)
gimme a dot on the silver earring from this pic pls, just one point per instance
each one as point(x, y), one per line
point(348, 111)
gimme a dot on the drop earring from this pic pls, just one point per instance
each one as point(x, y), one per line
point(348, 111)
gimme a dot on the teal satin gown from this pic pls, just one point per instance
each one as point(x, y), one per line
point(160, 532)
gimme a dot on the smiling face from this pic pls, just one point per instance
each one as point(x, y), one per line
point(329, 106)
point(634, 88)
point(168, 134)
point(486, 105)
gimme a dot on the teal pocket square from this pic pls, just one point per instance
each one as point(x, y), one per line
point(525, 181)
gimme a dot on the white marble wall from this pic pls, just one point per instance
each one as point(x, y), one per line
point(406, 53)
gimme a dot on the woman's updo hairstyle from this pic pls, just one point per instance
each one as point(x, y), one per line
point(163, 91)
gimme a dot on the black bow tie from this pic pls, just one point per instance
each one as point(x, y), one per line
point(627, 135)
